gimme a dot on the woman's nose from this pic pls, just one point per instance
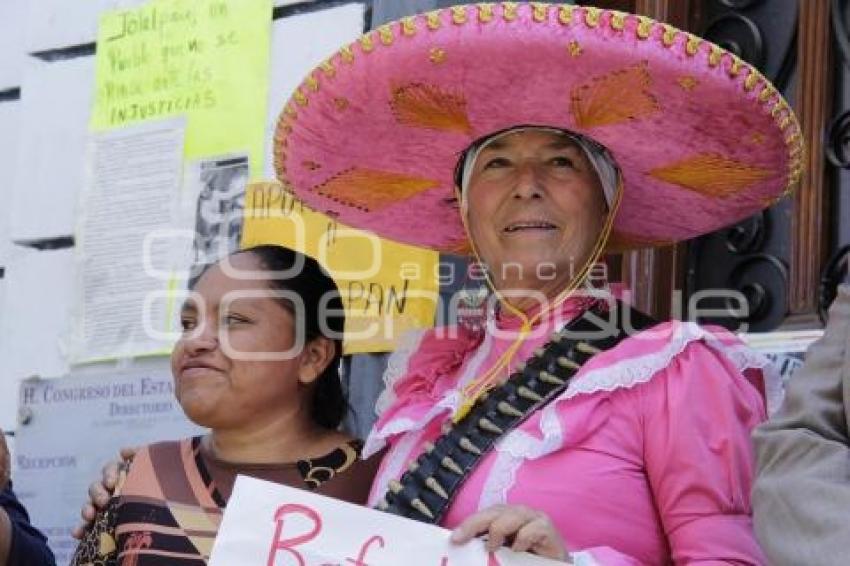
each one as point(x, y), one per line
point(528, 183)
point(203, 338)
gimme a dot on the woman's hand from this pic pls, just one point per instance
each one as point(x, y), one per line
point(101, 491)
point(522, 528)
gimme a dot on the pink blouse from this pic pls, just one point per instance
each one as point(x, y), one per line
point(644, 459)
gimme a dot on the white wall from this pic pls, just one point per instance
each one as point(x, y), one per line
point(34, 321)
point(56, 100)
point(11, 42)
point(10, 112)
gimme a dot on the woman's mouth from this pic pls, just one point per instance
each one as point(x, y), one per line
point(196, 367)
point(529, 226)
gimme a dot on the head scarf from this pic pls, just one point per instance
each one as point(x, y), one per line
point(598, 156)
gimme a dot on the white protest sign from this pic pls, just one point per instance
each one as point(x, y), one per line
point(268, 524)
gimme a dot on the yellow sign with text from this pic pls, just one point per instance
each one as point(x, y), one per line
point(206, 59)
point(387, 288)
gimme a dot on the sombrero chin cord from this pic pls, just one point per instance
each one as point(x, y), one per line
point(472, 391)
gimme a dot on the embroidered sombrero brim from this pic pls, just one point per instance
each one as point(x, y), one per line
point(372, 136)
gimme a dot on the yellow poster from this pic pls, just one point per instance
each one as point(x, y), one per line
point(205, 59)
point(387, 287)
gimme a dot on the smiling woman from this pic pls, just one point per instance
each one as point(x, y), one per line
point(257, 365)
point(532, 197)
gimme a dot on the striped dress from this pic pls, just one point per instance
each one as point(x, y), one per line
point(169, 505)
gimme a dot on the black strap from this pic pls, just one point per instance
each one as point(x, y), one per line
point(427, 489)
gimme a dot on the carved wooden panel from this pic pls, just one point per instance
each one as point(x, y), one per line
point(809, 220)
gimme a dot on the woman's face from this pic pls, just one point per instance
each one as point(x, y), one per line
point(535, 209)
point(224, 377)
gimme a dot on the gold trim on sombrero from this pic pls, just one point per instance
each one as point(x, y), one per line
point(432, 19)
point(485, 12)
point(692, 45)
point(735, 65)
point(711, 175)
point(617, 20)
point(539, 11)
point(459, 15)
point(385, 33)
point(565, 14)
point(429, 106)
point(299, 97)
point(312, 83)
point(346, 54)
point(715, 54)
point(367, 42)
point(613, 98)
point(370, 189)
point(592, 16)
point(668, 37)
point(408, 26)
point(644, 27)
point(509, 11)
point(752, 79)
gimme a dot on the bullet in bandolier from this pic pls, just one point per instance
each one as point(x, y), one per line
point(528, 394)
point(452, 466)
point(507, 409)
point(587, 348)
point(467, 445)
point(547, 377)
point(567, 363)
point(487, 425)
point(435, 486)
point(422, 508)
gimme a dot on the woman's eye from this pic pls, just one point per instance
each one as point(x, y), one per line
point(496, 163)
point(231, 319)
point(187, 323)
point(561, 161)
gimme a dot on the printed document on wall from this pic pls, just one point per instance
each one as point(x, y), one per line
point(128, 254)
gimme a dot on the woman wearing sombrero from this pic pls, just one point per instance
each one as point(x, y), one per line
point(538, 137)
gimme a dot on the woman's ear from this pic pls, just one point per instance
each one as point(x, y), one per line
point(318, 354)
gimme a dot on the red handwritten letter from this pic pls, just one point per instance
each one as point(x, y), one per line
point(287, 545)
point(365, 549)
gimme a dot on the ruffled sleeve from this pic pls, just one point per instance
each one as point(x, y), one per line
point(697, 416)
point(419, 382)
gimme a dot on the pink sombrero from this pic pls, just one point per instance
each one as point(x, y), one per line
point(372, 136)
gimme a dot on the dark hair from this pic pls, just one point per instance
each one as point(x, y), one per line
point(323, 315)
